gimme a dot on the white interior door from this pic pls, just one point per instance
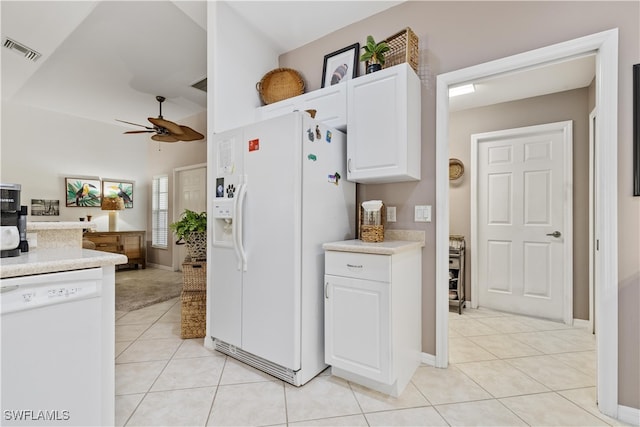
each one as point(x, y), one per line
point(191, 193)
point(523, 211)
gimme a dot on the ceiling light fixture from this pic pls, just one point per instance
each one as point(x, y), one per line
point(21, 49)
point(461, 90)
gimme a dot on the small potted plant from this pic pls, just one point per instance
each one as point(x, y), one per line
point(191, 230)
point(374, 54)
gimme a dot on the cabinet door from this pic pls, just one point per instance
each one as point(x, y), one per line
point(383, 122)
point(132, 245)
point(357, 327)
point(330, 104)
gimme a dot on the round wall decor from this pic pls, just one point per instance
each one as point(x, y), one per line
point(456, 169)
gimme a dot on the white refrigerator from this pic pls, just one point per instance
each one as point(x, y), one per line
point(279, 193)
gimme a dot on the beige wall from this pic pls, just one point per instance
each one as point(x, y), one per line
point(41, 147)
point(455, 35)
point(569, 105)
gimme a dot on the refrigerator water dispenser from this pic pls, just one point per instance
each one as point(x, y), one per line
point(223, 224)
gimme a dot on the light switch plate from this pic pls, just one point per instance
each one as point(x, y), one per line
point(391, 214)
point(422, 213)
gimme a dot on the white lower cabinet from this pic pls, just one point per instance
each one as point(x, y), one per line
point(372, 317)
point(357, 327)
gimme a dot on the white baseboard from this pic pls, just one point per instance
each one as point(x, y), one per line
point(428, 359)
point(160, 267)
point(629, 415)
point(581, 323)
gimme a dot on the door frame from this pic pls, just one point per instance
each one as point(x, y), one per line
point(605, 46)
point(592, 238)
point(566, 128)
point(176, 262)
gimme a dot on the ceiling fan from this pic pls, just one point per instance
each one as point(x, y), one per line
point(166, 131)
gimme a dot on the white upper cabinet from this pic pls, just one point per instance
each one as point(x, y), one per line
point(382, 117)
point(383, 124)
point(330, 104)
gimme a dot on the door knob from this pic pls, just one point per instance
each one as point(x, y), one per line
point(555, 234)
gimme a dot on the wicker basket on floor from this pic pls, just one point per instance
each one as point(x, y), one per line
point(193, 316)
point(194, 276)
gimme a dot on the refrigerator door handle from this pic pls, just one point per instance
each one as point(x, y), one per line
point(242, 255)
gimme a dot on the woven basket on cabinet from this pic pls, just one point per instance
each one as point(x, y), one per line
point(279, 84)
point(403, 47)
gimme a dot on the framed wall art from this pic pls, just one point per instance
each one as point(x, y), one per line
point(119, 188)
point(82, 192)
point(341, 65)
point(636, 130)
point(45, 207)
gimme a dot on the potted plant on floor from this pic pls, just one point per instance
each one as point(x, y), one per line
point(191, 230)
point(374, 54)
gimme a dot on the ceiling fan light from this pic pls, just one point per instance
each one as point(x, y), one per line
point(164, 138)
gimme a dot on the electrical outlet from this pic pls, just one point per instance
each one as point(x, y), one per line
point(391, 214)
point(422, 213)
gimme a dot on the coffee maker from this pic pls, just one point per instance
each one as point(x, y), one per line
point(12, 221)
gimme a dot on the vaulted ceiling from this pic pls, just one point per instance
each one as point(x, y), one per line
point(106, 60)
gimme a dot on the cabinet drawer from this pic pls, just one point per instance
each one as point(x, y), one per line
point(454, 263)
point(104, 238)
point(107, 247)
point(358, 265)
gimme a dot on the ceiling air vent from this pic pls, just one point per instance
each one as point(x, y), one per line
point(202, 85)
point(23, 50)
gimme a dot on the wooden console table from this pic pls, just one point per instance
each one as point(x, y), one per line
point(129, 243)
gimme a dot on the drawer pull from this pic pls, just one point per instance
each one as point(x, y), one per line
point(354, 266)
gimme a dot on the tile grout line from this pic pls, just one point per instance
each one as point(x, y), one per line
point(215, 394)
point(161, 371)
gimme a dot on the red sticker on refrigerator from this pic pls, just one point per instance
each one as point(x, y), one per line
point(254, 145)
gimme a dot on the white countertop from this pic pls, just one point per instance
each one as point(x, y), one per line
point(387, 247)
point(58, 225)
point(40, 261)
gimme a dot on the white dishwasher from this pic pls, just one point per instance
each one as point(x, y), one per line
point(51, 349)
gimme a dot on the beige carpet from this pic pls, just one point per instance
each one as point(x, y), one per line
point(139, 288)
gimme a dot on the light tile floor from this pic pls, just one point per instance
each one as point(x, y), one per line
point(505, 370)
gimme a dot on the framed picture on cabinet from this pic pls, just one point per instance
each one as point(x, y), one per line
point(341, 65)
point(118, 188)
point(82, 192)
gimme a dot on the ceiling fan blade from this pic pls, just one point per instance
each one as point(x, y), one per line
point(170, 126)
point(164, 138)
point(189, 134)
point(140, 131)
point(135, 124)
